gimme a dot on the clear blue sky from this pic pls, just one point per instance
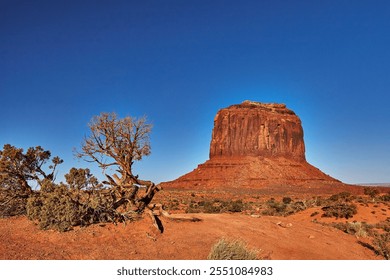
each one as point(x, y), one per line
point(178, 62)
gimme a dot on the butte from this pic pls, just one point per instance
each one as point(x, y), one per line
point(258, 146)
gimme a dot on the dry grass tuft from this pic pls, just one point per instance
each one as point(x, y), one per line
point(231, 250)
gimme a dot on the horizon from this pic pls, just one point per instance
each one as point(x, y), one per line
point(178, 63)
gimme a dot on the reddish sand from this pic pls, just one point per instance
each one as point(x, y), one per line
point(294, 237)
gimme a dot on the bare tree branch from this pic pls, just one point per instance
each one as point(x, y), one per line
point(120, 142)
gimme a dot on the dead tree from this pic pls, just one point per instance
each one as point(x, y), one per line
point(118, 143)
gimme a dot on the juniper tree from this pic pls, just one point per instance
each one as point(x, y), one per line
point(19, 173)
point(115, 144)
point(20, 170)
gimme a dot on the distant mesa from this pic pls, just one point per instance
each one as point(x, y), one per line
point(255, 145)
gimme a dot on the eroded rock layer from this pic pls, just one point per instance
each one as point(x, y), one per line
point(257, 129)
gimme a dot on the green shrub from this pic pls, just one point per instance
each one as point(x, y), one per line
point(370, 191)
point(235, 206)
point(343, 197)
point(275, 208)
point(12, 203)
point(61, 207)
point(340, 210)
point(53, 209)
point(215, 206)
point(284, 208)
point(212, 207)
point(193, 208)
point(231, 250)
point(385, 197)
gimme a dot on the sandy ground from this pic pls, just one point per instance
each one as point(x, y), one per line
point(284, 238)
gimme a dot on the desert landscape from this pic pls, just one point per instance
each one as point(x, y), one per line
point(256, 187)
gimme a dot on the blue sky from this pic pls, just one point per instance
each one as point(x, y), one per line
point(178, 62)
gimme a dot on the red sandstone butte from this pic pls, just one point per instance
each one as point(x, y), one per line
point(255, 145)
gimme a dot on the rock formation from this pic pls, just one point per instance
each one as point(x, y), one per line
point(257, 129)
point(255, 145)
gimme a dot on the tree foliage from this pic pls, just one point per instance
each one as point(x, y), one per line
point(19, 170)
point(19, 173)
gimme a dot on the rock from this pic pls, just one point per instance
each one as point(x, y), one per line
point(257, 129)
point(256, 145)
point(288, 225)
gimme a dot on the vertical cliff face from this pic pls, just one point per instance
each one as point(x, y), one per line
point(257, 129)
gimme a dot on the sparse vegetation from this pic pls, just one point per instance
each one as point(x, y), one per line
point(340, 210)
point(381, 244)
point(216, 206)
point(385, 197)
point(284, 208)
point(341, 197)
point(370, 191)
point(355, 228)
point(82, 200)
point(231, 250)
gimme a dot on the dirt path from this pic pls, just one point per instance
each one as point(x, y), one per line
point(293, 237)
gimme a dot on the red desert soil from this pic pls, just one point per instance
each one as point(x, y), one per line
point(294, 237)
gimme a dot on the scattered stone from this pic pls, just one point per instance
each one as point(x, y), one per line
point(288, 225)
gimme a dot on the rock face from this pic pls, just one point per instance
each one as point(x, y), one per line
point(257, 129)
point(255, 145)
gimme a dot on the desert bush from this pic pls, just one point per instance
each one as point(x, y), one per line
point(381, 244)
point(63, 206)
point(315, 213)
point(275, 208)
point(53, 208)
point(11, 203)
point(370, 191)
point(235, 206)
point(385, 197)
point(284, 208)
point(173, 205)
point(193, 208)
point(341, 197)
point(215, 206)
point(231, 250)
point(354, 228)
point(384, 225)
point(318, 201)
point(212, 207)
point(340, 210)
